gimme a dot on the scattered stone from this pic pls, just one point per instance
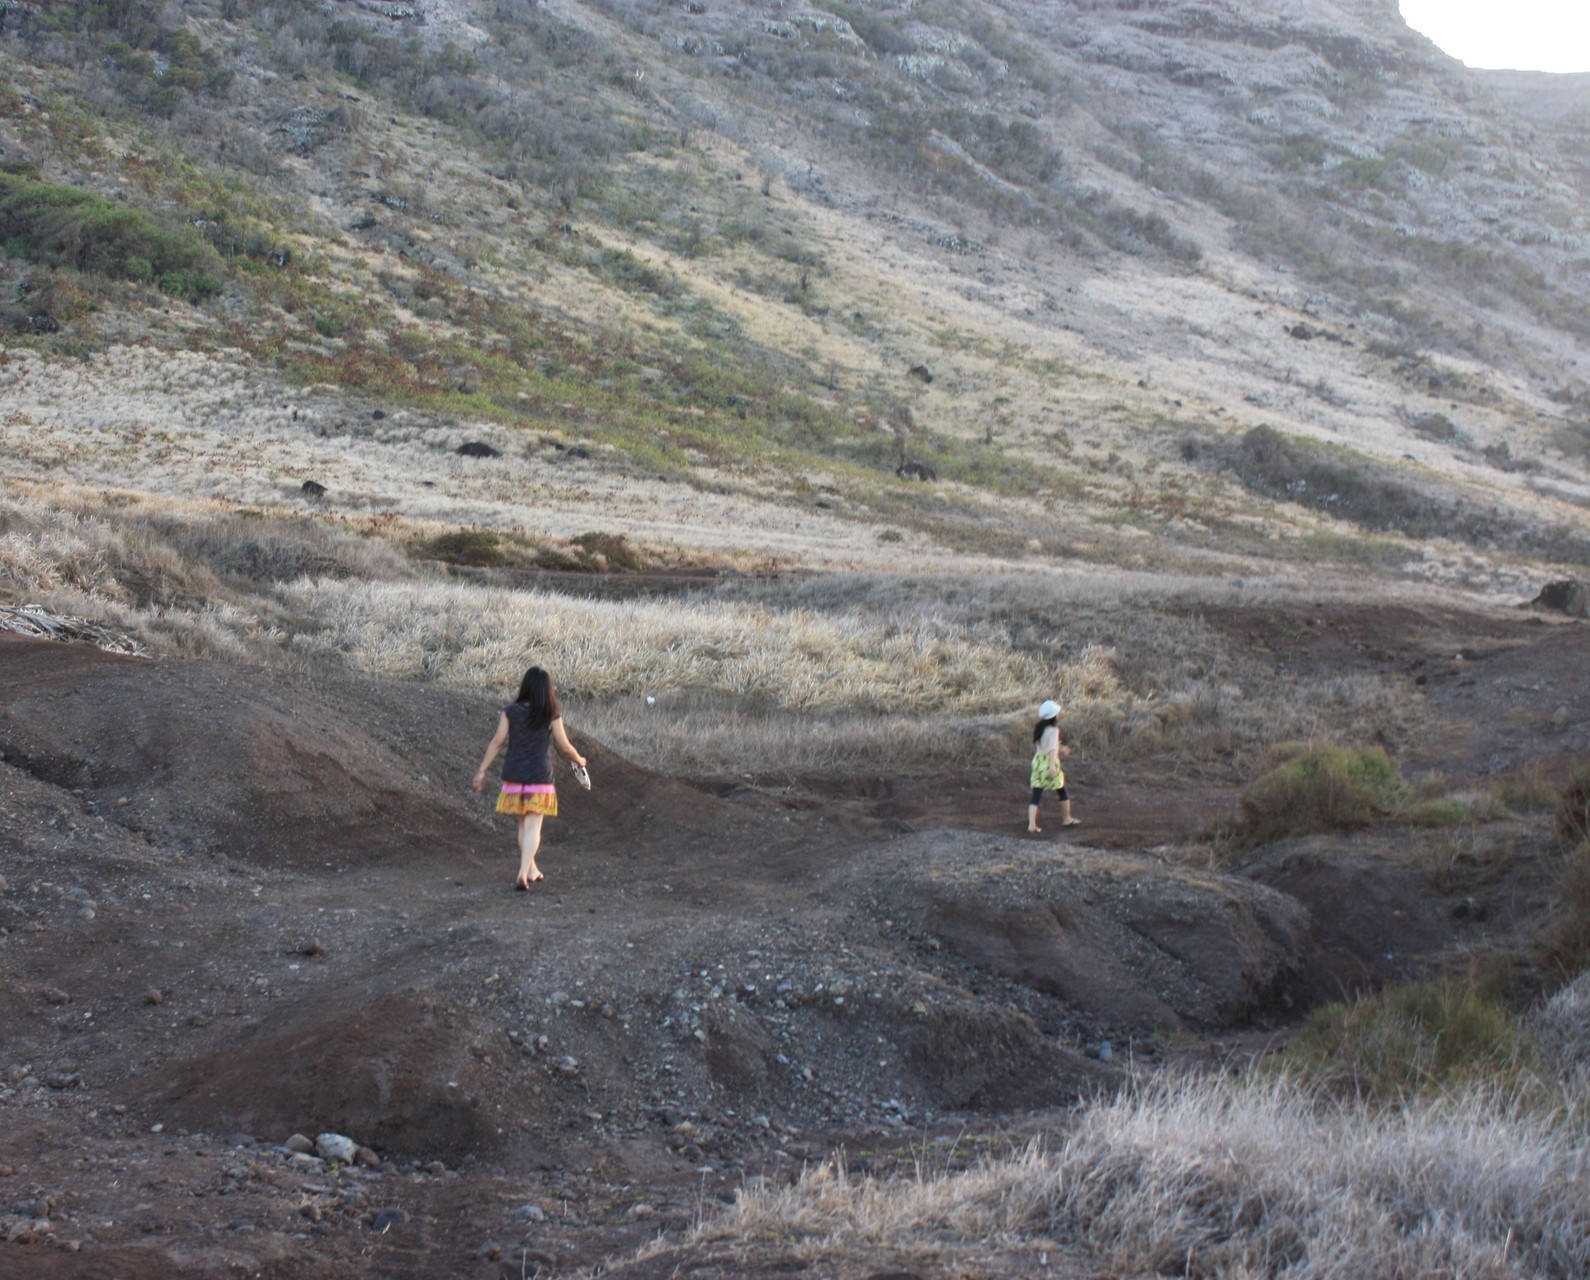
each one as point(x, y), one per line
point(921, 373)
point(61, 1079)
point(310, 947)
point(54, 995)
point(154, 997)
point(313, 489)
point(436, 1167)
point(478, 449)
point(388, 1218)
point(336, 1148)
point(299, 1145)
point(530, 1213)
point(378, 414)
point(365, 1158)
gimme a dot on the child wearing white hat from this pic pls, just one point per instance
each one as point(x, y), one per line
point(1047, 772)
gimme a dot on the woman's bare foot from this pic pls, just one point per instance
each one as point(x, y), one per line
point(1034, 831)
point(536, 875)
point(1072, 822)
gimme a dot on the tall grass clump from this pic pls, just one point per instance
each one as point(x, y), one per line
point(1566, 943)
point(1573, 808)
point(1312, 787)
point(1237, 1178)
point(1425, 1037)
point(1560, 1030)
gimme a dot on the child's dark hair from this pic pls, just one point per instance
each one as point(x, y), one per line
point(1040, 726)
point(535, 691)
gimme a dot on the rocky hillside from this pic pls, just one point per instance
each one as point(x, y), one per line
point(1061, 249)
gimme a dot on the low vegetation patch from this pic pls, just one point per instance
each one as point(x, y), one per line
point(1313, 787)
point(1425, 1038)
point(61, 225)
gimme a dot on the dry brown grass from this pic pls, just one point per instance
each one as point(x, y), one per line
point(1222, 1178)
point(785, 676)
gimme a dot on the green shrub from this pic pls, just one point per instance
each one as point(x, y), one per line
point(66, 226)
point(1407, 1041)
point(1318, 787)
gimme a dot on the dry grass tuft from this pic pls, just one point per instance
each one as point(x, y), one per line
point(1236, 1178)
point(1567, 939)
point(1561, 1030)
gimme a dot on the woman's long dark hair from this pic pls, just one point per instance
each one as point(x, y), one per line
point(1037, 729)
point(535, 691)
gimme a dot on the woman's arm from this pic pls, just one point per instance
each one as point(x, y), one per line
point(560, 737)
point(498, 738)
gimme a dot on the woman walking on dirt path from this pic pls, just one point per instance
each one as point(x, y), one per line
point(1047, 772)
point(531, 725)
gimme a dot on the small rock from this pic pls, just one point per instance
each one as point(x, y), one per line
point(388, 1218)
point(298, 1144)
point(436, 1167)
point(310, 947)
point(365, 1158)
point(154, 997)
point(478, 449)
point(530, 1213)
point(336, 1148)
point(54, 995)
point(1560, 718)
point(643, 1211)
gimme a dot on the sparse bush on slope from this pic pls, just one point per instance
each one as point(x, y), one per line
point(61, 225)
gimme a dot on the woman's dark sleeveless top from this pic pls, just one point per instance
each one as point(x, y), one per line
point(529, 757)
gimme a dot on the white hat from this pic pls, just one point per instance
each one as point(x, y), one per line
point(1049, 710)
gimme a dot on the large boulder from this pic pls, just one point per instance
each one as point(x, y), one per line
point(1570, 596)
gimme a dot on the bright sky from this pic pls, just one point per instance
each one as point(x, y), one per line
point(1514, 35)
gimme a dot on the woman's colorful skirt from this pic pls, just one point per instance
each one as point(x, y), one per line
point(521, 798)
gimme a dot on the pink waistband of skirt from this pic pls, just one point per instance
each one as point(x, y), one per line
point(528, 789)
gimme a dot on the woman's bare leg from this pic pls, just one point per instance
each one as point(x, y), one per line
point(529, 845)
